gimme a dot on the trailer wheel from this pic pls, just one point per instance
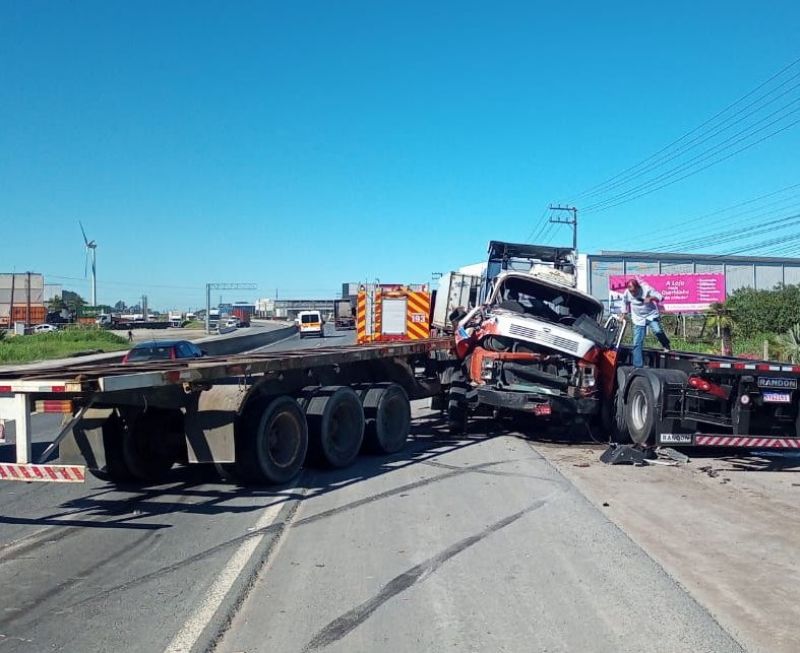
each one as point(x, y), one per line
point(116, 469)
point(640, 409)
point(335, 425)
point(141, 446)
point(271, 444)
point(387, 414)
point(152, 442)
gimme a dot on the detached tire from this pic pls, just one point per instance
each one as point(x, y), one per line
point(387, 414)
point(335, 425)
point(640, 411)
point(271, 443)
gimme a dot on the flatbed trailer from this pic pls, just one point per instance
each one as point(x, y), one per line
point(258, 414)
point(687, 399)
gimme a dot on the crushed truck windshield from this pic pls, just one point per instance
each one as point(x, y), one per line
point(544, 301)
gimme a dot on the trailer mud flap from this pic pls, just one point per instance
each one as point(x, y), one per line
point(85, 445)
point(210, 424)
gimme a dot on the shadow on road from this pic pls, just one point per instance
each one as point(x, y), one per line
point(200, 490)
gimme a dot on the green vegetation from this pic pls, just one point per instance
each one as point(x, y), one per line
point(764, 311)
point(194, 324)
point(59, 344)
point(746, 320)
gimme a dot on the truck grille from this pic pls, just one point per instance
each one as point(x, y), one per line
point(543, 337)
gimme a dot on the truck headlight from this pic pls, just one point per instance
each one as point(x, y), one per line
point(587, 375)
point(487, 369)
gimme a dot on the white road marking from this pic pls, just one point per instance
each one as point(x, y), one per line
point(193, 628)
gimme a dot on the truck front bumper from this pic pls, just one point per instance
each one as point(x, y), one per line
point(531, 402)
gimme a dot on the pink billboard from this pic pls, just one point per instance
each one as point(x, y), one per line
point(683, 293)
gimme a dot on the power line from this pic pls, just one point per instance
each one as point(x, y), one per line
point(690, 132)
point(733, 229)
point(703, 138)
point(539, 226)
point(745, 234)
point(697, 171)
point(703, 217)
point(706, 154)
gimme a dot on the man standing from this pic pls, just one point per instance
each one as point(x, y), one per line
point(640, 300)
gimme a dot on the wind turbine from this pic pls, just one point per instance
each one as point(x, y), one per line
point(91, 246)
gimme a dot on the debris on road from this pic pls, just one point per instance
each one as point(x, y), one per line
point(674, 454)
point(621, 454)
point(708, 469)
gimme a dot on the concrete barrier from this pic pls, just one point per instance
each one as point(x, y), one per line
point(216, 346)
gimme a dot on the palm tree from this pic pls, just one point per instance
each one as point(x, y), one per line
point(789, 343)
point(719, 318)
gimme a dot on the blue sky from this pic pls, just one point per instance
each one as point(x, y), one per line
point(299, 145)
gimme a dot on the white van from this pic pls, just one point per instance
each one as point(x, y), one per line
point(311, 324)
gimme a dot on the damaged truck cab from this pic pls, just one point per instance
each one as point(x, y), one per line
point(534, 343)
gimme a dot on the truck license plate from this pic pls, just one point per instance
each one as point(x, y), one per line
point(676, 438)
point(543, 410)
point(777, 397)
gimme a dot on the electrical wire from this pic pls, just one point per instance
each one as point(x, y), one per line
point(697, 171)
point(724, 211)
point(704, 138)
point(731, 141)
point(732, 231)
point(601, 185)
point(539, 226)
point(696, 142)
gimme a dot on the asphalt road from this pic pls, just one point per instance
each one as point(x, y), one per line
point(466, 544)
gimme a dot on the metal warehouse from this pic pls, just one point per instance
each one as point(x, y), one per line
point(760, 272)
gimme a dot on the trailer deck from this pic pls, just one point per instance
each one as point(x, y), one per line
point(94, 377)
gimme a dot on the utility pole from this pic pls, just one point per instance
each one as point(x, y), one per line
point(222, 286)
point(573, 221)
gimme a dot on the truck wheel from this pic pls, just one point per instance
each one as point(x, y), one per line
point(612, 416)
point(457, 412)
point(272, 443)
point(387, 414)
point(335, 425)
point(640, 411)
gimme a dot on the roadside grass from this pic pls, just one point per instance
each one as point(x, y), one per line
point(195, 324)
point(750, 347)
point(59, 344)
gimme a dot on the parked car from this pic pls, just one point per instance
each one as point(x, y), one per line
point(232, 322)
point(154, 350)
point(44, 328)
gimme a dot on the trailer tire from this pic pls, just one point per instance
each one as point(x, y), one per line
point(141, 446)
point(152, 442)
point(335, 425)
point(271, 443)
point(116, 469)
point(640, 411)
point(387, 414)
